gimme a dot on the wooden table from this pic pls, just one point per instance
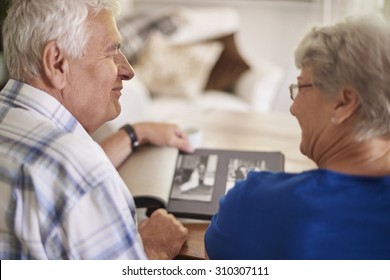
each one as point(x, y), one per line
point(241, 131)
point(193, 249)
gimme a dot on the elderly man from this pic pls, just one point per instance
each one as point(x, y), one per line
point(60, 195)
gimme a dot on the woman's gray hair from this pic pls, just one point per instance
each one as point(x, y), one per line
point(356, 52)
point(30, 24)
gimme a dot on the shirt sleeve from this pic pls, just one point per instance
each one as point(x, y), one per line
point(102, 226)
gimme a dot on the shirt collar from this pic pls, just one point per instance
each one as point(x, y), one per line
point(22, 95)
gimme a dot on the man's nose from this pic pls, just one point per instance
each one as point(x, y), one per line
point(125, 71)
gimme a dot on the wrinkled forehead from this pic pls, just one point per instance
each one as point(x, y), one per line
point(103, 32)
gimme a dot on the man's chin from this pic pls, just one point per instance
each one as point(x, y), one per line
point(117, 109)
point(113, 117)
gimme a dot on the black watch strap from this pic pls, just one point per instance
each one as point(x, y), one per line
point(133, 136)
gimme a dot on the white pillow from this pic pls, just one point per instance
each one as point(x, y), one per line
point(205, 24)
point(259, 86)
point(169, 70)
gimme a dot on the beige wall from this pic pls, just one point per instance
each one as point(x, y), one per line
point(127, 6)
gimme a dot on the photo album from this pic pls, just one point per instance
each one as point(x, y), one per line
point(190, 185)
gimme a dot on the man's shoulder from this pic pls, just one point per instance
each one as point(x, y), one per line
point(41, 145)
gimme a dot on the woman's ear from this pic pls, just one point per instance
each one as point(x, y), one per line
point(345, 104)
point(55, 65)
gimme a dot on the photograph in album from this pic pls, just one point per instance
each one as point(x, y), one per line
point(190, 185)
point(194, 177)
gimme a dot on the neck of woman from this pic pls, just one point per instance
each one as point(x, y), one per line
point(369, 158)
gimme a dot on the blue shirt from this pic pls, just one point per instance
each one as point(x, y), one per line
point(317, 214)
point(60, 196)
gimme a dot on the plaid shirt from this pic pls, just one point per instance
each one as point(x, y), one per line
point(60, 197)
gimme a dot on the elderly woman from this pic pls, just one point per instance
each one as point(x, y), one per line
point(342, 209)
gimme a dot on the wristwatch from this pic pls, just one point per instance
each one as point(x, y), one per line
point(133, 136)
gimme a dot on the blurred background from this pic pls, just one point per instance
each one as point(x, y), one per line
point(223, 54)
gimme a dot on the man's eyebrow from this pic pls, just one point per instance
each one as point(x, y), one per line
point(113, 47)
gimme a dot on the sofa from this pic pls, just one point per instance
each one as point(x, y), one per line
point(189, 59)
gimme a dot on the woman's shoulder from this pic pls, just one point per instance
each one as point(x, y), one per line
point(311, 182)
point(282, 177)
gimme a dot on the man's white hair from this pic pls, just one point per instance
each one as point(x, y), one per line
point(31, 24)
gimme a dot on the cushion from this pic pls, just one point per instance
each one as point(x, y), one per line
point(229, 67)
point(206, 23)
point(135, 29)
point(170, 70)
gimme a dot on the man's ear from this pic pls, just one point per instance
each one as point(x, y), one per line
point(55, 65)
point(345, 104)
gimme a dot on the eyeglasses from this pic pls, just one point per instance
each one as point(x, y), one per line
point(294, 89)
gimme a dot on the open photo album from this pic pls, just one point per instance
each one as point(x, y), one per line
point(190, 185)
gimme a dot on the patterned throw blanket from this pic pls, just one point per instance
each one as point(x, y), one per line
point(136, 29)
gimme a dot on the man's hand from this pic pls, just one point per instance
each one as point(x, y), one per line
point(162, 235)
point(162, 134)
